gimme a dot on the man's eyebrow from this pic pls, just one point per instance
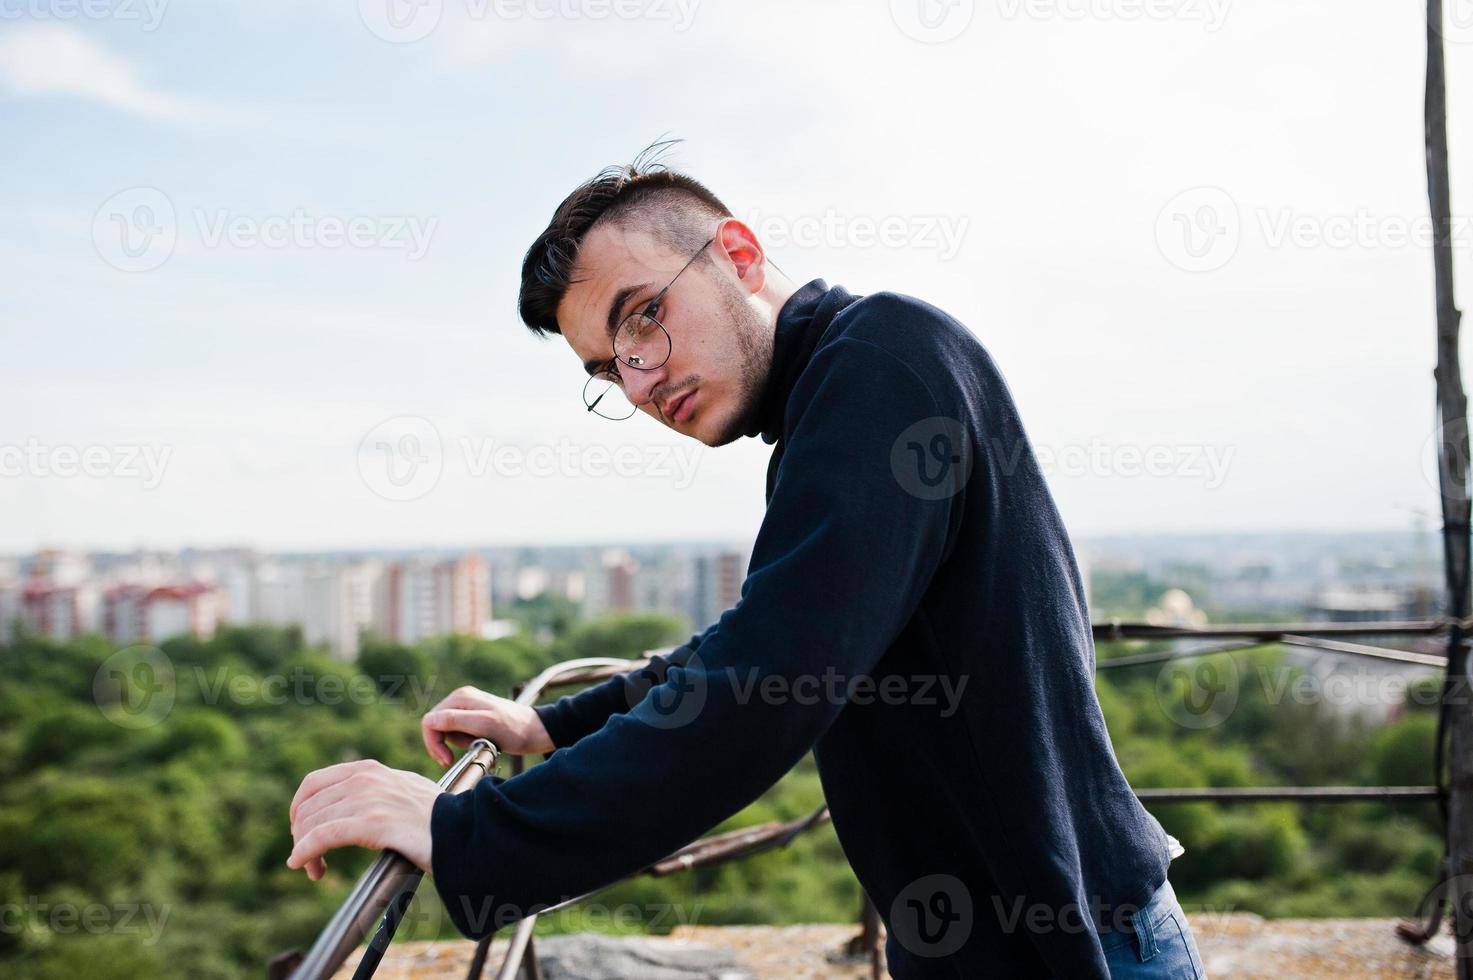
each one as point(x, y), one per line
point(616, 308)
point(616, 316)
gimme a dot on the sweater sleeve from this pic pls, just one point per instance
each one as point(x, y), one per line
point(846, 550)
point(573, 716)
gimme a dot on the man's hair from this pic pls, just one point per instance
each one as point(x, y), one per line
point(676, 210)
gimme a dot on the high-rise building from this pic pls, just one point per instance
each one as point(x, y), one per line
point(338, 605)
point(122, 613)
point(57, 600)
point(280, 593)
point(425, 598)
point(610, 584)
point(56, 567)
point(665, 586)
point(717, 586)
point(53, 611)
point(9, 610)
point(152, 614)
point(192, 609)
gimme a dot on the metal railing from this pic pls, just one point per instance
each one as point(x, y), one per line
point(384, 891)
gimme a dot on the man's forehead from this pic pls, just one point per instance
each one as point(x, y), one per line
point(613, 261)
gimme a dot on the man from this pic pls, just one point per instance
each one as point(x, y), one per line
point(913, 614)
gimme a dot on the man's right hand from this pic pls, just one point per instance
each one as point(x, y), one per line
point(467, 714)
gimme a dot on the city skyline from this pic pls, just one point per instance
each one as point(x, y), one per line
point(412, 594)
point(338, 599)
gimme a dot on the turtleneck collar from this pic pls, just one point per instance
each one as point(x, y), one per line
point(800, 323)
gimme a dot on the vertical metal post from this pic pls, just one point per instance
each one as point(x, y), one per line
point(521, 947)
point(1456, 725)
point(867, 943)
point(872, 937)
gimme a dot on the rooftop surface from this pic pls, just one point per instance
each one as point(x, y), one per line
point(1237, 945)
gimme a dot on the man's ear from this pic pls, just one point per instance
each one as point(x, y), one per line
point(745, 253)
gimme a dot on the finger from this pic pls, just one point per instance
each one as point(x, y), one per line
point(354, 808)
point(316, 869)
point(461, 697)
point(321, 800)
point(434, 741)
point(457, 726)
point(459, 720)
point(340, 830)
point(322, 778)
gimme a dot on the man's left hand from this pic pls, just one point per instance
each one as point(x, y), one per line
point(363, 803)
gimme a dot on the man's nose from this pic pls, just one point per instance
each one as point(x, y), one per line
point(639, 386)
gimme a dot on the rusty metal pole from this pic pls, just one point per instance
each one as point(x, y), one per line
point(868, 942)
point(529, 968)
point(385, 889)
point(1456, 722)
point(872, 935)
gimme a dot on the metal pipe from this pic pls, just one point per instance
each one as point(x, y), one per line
point(392, 877)
point(386, 880)
point(520, 940)
point(1116, 630)
point(1361, 650)
point(1304, 794)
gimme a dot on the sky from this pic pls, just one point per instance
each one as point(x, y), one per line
point(259, 261)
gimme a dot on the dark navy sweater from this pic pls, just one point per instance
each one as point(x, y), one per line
point(913, 614)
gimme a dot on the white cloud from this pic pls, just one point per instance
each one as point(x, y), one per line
point(51, 60)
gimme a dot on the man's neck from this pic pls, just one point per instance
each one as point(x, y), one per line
point(775, 291)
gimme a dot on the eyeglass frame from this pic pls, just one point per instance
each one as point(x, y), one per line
point(645, 312)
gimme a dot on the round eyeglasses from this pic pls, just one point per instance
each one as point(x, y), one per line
point(642, 343)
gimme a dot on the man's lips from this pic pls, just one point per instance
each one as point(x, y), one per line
point(679, 409)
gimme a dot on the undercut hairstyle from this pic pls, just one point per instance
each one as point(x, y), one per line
point(645, 195)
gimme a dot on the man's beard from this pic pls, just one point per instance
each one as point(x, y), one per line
point(753, 335)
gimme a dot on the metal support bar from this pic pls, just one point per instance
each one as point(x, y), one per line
point(383, 886)
point(521, 954)
point(1162, 656)
point(1116, 630)
point(1361, 650)
point(1298, 794)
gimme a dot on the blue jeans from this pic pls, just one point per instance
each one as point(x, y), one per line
point(1159, 946)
